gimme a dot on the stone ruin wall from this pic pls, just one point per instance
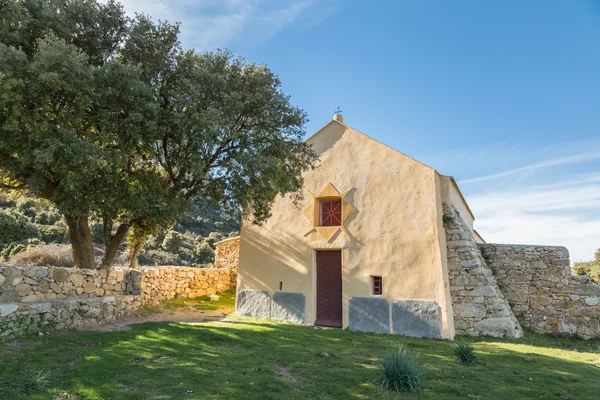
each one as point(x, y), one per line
point(544, 296)
point(227, 253)
point(535, 281)
point(479, 305)
point(38, 299)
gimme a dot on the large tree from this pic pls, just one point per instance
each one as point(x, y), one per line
point(109, 117)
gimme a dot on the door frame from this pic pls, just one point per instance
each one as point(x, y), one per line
point(314, 281)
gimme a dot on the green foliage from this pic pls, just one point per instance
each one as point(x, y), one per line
point(400, 371)
point(15, 227)
point(590, 268)
point(172, 241)
point(201, 226)
point(465, 354)
point(109, 117)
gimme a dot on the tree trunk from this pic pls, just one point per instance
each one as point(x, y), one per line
point(134, 252)
point(81, 241)
point(112, 242)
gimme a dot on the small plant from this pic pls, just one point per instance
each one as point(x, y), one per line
point(36, 382)
point(400, 371)
point(465, 354)
point(446, 218)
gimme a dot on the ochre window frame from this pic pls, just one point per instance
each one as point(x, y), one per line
point(312, 211)
point(330, 212)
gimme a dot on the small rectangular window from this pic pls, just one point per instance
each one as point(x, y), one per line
point(377, 285)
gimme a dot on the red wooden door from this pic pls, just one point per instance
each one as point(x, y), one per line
point(329, 288)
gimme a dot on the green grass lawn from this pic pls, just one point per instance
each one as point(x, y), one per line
point(226, 304)
point(257, 359)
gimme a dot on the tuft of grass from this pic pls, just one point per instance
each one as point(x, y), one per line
point(465, 354)
point(400, 371)
point(35, 383)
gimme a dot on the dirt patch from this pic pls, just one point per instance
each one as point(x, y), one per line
point(181, 314)
point(284, 373)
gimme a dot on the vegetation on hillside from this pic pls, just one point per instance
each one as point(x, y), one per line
point(33, 232)
point(589, 268)
point(110, 120)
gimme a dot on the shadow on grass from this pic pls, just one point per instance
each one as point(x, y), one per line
point(253, 359)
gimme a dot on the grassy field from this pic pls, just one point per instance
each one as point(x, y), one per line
point(256, 359)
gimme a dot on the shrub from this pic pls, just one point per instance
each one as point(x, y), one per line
point(590, 268)
point(59, 232)
point(15, 227)
point(400, 371)
point(465, 354)
point(49, 254)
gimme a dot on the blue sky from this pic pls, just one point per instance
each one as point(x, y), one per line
point(504, 96)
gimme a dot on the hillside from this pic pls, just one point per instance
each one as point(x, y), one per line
point(32, 231)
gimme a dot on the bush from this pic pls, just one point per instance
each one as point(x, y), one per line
point(465, 354)
point(590, 268)
point(58, 233)
point(15, 227)
point(49, 254)
point(400, 371)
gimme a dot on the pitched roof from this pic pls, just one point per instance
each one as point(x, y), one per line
point(368, 137)
point(334, 121)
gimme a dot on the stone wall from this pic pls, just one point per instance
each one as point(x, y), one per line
point(227, 253)
point(544, 296)
point(31, 284)
point(478, 303)
point(34, 299)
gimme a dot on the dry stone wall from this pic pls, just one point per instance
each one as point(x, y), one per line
point(39, 299)
point(31, 284)
point(227, 253)
point(544, 296)
point(478, 303)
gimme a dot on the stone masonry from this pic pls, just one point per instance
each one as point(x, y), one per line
point(227, 253)
point(39, 299)
point(544, 296)
point(479, 305)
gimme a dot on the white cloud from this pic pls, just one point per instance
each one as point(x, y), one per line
point(212, 24)
point(558, 214)
point(578, 158)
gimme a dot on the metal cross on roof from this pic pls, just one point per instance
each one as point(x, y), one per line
point(338, 111)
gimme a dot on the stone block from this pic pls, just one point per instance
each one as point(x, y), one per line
point(484, 291)
point(40, 308)
point(23, 289)
point(60, 275)
point(77, 279)
point(10, 294)
point(254, 303)
point(369, 314)
point(592, 301)
point(417, 318)
point(466, 310)
point(89, 288)
point(499, 327)
point(288, 307)
point(8, 309)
